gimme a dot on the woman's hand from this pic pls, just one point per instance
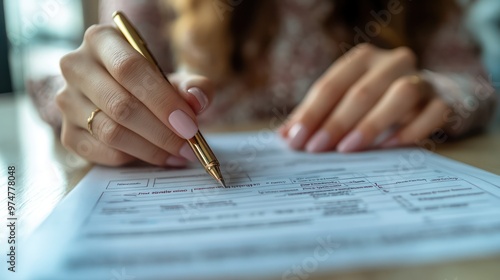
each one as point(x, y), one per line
point(365, 93)
point(142, 116)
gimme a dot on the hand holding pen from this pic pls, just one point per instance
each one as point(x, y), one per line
point(118, 108)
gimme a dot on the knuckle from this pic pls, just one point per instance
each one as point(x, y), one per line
point(365, 49)
point(62, 99)
point(109, 132)
point(319, 87)
point(405, 85)
point(68, 63)
point(123, 64)
point(361, 94)
point(406, 55)
point(93, 31)
point(120, 107)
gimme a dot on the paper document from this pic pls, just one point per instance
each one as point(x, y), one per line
point(285, 215)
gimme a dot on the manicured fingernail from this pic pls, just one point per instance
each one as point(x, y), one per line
point(200, 96)
point(319, 142)
point(187, 152)
point(176, 161)
point(392, 142)
point(351, 142)
point(297, 136)
point(183, 124)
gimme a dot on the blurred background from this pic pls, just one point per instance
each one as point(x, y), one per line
point(34, 34)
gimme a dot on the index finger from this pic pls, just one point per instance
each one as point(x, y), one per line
point(142, 79)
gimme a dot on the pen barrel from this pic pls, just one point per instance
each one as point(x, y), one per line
point(202, 150)
point(197, 143)
point(206, 156)
point(133, 37)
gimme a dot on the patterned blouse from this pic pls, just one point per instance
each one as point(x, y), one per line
point(300, 54)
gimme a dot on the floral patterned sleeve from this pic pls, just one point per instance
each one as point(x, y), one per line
point(453, 66)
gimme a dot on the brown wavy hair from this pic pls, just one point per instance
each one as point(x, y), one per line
point(219, 41)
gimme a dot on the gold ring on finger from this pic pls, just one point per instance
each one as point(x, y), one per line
point(91, 119)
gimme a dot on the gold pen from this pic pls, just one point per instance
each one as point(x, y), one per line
point(197, 143)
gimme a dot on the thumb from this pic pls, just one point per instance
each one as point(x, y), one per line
point(198, 91)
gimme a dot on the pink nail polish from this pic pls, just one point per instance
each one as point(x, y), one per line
point(183, 124)
point(176, 161)
point(200, 96)
point(297, 136)
point(187, 152)
point(351, 142)
point(319, 142)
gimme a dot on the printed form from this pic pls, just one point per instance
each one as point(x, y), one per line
point(285, 215)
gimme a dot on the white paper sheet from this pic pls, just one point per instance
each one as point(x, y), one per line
point(286, 215)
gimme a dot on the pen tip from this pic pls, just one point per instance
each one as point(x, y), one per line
point(221, 181)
